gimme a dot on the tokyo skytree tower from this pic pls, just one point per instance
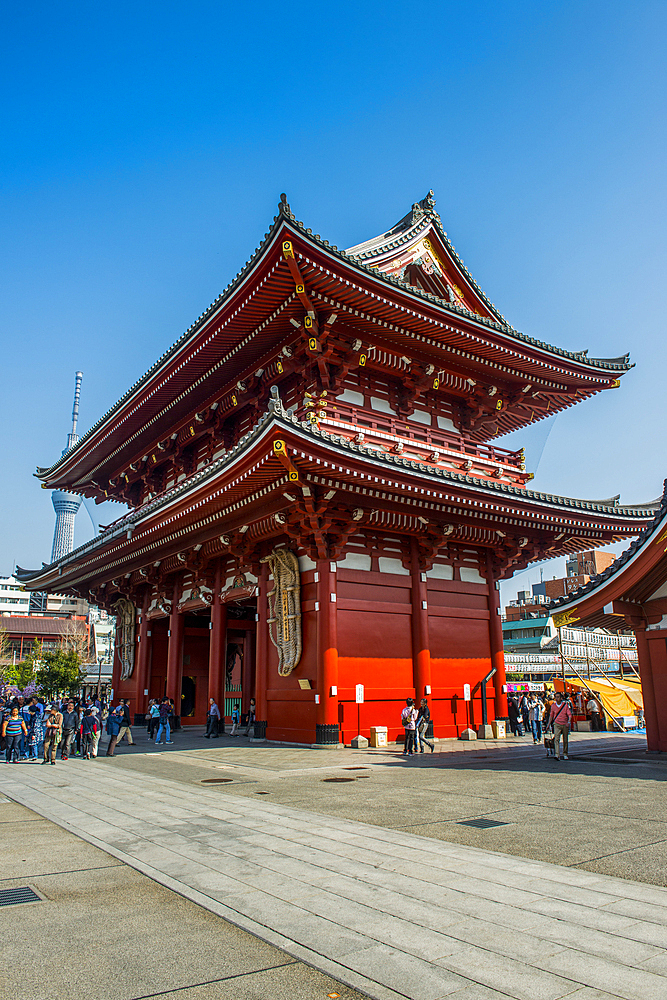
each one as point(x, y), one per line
point(66, 505)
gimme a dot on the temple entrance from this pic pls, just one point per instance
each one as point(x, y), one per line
point(194, 680)
point(188, 697)
point(239, 658)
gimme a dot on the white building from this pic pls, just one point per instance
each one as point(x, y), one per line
point(14, 600)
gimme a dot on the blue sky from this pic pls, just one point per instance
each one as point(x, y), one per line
point(145, 147)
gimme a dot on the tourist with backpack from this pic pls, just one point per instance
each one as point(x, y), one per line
point(560, 718)
point(165, 715)
point(409, 723)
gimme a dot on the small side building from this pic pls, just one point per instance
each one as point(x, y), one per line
point(629, 597)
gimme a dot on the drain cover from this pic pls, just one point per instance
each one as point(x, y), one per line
point(481, 823)
point(23, 894)
point(357, 769)
point(339, 779)
point(215, 781)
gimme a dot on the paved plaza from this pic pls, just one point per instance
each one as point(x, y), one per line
point(379, 882)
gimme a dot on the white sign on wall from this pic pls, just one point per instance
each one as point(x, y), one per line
point(360, 694)
point(466, 692)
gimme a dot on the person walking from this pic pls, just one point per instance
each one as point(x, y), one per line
point(35, 733)
point(535, 718)
point(24, 713)
point(52, 734)
point(98, 731)
point(513, 714)
point(125, 726)
point(114, 722)
point(70, 722)
point(165, 714)
point(593, 710)
point(236, 719)
point(88, 730)
point(14, 730)
point(251, 718)
point(409, 722)
point(423, 719)
point(153, 718)
point(560, 718)
point(212, 720)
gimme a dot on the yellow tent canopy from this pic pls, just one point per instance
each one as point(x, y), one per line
point(618, 698)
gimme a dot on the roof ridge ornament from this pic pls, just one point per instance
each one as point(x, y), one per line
point(284, 208)
point(424, 207)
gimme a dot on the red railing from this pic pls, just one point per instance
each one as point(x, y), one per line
point(411, 432)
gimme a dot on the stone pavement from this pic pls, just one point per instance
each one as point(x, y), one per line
point(103, 931)
point(387, 912)
point(605, 810)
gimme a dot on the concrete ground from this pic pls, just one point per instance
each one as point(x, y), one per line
point(604, 810)
point(106, 932)
point(406, 903)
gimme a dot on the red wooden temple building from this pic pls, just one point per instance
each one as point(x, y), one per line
point(316, 499)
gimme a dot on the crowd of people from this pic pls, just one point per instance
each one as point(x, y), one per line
point(33, 729)
point(37, 730)
point(535, 714)
point(548, 714)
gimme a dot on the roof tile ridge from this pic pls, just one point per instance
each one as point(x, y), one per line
point(284, 211)
point(637, 543)
point(501, 323)
point(459, 476)
point(133, 516)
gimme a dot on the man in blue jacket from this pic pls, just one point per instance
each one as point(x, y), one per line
point(113, 728)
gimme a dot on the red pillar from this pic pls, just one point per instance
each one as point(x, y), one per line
point(421, 653)
point(496, 641)
point(248, 671)
point(262, 654)
point(175, 655)
point(653, 735)
point(218, 637)
point(143, 660)
point(327, 729)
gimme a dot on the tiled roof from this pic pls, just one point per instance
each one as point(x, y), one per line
point(660, 507)
point(277, 414)
point(27, 625)
point(618, 365)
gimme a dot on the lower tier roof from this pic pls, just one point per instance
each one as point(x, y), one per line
point(250, 484)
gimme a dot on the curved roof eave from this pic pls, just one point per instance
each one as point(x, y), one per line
point(280, 418)
point(285, 214)
point(631, 555)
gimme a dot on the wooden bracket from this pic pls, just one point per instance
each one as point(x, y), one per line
point(280, 451)
point(304, 298)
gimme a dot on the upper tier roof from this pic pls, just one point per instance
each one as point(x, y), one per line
point(368, 285)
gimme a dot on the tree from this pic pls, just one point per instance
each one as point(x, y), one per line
point(20, 674)
point(74, 638)
point(5, 656)
point(60, 671)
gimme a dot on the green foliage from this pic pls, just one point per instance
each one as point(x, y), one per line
point(60, 672)
point(513, 677)
point(20, 674)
